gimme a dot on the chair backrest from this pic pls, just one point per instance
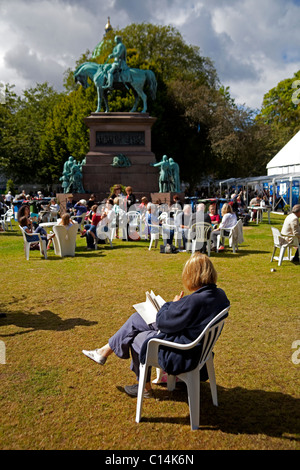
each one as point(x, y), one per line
point(65, 239)
point(236, 233)
point(9, 213)
point(200, 231)
point(133, 217)
point(209, 336)
point(153, 229)
point(28, 236)
point(276, 236)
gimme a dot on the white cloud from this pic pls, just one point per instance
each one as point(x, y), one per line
point(253, 43)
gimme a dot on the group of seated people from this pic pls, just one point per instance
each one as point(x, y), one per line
point(117, 205)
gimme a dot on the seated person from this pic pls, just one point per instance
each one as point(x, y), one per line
point(66, 221)
point(80, 208)
point(213, 214)
point(151, 218)
point(183, 222)
point(130, 197)
point(106, 221)
point(241, 210)
point(254, 202)
point(229, 220)
point(25, 210)
point(181, 320)
point(291, 230)
point(90, 229)
point(70, 204)
point(54, 208)
point(25, 223)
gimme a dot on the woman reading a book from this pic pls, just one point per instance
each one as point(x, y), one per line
point(180, 321)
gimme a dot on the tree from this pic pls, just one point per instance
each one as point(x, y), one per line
point(281, 111)
point(21, 136)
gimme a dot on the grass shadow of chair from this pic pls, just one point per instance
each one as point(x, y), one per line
point(240, 411)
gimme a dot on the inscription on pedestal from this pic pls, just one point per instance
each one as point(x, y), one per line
point(120, 138)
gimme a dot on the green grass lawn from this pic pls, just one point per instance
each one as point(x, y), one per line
point(53, 397)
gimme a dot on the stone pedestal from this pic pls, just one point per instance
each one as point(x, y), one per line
point(167, 198)
point(112, 134)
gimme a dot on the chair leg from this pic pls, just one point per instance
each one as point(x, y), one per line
point(27, 250)
point(208, 248)
point(218, 242)
point(212, 379)
point(272, 257)
point(193, 389)
point(281, 255)
point(151, 240)
point(171, 382)
point(142, 383)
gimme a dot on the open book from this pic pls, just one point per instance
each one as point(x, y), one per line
point(150, 307)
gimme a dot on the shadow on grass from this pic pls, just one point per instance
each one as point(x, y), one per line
point(9, 234)
point(44, 320)
point(240, 411)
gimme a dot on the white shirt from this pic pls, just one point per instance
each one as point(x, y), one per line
point(228, 221)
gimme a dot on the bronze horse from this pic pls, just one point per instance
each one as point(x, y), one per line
point(134, 79)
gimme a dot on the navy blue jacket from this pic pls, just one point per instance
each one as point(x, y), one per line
point(182, 322)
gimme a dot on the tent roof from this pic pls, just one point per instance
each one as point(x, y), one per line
point(288, 155)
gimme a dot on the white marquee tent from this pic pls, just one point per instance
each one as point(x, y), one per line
point(287, 160)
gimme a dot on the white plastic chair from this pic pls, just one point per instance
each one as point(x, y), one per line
point(103, 232)
point(82, 222)
point(122, 226)
point(6, 219)
point(167, 226)
point(208, 338)
point(282, 244)
point(134, 224)
point(154, 234)
point(64, 242)
point(27, 237)
point(234, 234)
point(199, 234)
point(53, 216)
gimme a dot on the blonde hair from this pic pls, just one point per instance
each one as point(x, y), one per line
point(65, 219)
point(226, 208)
point(198, 272)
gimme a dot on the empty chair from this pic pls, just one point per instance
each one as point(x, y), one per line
point(134, 225)
point(207, 338)
point(64, 241)
point(199, 235)
point(282, 244)
point(154, 234)
point(234, 234)
point(7, 218)
point(32, 238)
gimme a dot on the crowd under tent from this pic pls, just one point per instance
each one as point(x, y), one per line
point(286, 187)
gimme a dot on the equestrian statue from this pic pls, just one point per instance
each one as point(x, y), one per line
point(117, 75)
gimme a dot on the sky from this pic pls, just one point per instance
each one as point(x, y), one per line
point(253, 44)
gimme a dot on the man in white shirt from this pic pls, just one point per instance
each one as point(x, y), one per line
point(291, 229)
